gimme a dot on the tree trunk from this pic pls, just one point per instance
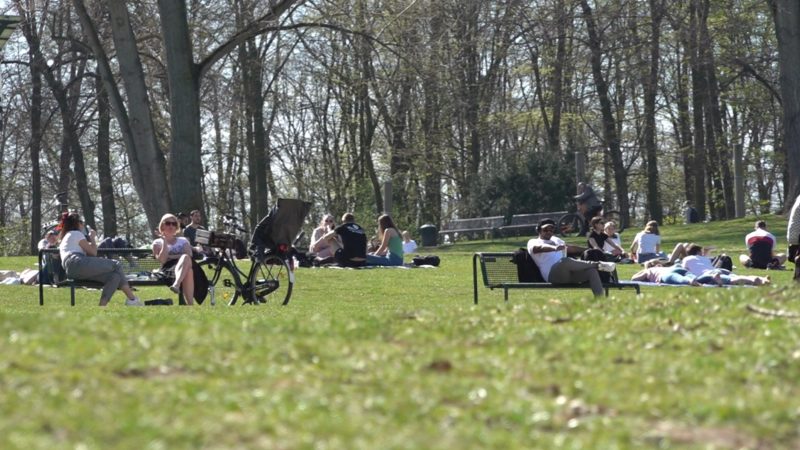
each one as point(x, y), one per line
point(35, 151)
point(698, 104)
point(610, 136)
point(786, 14)
point(148, 168)
point(104, 162)
point(650, 93)
point(185, 164)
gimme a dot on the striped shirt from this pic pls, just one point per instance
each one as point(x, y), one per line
point(793, 229)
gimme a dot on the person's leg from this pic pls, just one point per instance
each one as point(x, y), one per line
point(374, 260)
point(679, 252)
point(569, 270)
point(103, 270)
point(679, 276)
point(183, 272)
point(745, 260)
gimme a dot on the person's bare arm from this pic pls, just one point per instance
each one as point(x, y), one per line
point(545, 248)
point(87, 245)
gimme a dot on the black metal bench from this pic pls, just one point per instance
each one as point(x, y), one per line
point(527, 224)
point(478, 227)
point(499, 271)
point(140, 267)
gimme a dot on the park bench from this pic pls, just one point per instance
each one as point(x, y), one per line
point(140, 266)
point(527, 224)
point(499, 271)
point(475, 228)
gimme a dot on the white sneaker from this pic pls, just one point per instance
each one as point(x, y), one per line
point(133, 302)
point(606, 266)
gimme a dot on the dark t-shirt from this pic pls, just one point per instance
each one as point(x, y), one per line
point(599, 238)
point(354, 240)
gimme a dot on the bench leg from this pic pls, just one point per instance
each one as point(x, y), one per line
point(475, 278)
point(505, 294)
point(72, 294)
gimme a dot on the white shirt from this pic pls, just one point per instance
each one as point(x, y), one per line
point(607, 247)
point(70, 244)
point(760, 235)
point(793, 229)
point(409, 246)
point(647, 242)
point(697, 264)
point(545, 260)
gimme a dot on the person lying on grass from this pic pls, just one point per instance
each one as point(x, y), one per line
point(655, 272)
point(699, 264)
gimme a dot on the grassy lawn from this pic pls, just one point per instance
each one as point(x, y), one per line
point(378, 359)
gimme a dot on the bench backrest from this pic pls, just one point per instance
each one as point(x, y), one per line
point(136, 262)
point(534, 218)
point(474, 223)
point(498, 269)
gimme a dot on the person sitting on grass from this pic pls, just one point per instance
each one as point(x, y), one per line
point(324, 249)
point(79, 258)
point(699, 264)
point(352, 241)
point(549, 254)
point(647, 244)
point(600, 240)
point(761, 249)
point(390, 251)
point(409, 245)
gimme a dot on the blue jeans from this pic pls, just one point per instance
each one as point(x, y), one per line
point(644, 257)
point(677, 275)
point(389, 260)
point(707, 277)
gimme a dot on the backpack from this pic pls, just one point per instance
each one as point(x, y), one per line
point(427, 260)
point(527, 270)
point(723, 262)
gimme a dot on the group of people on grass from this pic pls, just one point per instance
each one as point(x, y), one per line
point(347, 245)
point(174, 247)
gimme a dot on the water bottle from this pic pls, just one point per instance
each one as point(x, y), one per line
point(211, 292)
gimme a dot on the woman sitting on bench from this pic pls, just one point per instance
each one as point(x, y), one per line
point(175, 254)
point(79, 258)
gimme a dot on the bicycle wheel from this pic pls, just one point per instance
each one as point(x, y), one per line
point(271, 280)
point(569, 225)
point(222, 282)
point(616, 217)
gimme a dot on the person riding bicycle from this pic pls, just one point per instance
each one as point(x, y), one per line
point(588, 203)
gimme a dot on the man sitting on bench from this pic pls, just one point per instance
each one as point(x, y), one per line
point(549, 254)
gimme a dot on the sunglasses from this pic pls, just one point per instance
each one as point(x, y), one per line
point(172, 224)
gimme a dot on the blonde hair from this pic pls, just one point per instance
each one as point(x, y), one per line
point(166, 217)
point(651, 227)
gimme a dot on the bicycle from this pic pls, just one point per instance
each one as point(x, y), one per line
point(271, 274)
point(573, 224)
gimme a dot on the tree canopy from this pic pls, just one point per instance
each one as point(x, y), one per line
point(468, 107)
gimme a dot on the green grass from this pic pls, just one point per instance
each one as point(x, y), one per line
point(403, 359)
